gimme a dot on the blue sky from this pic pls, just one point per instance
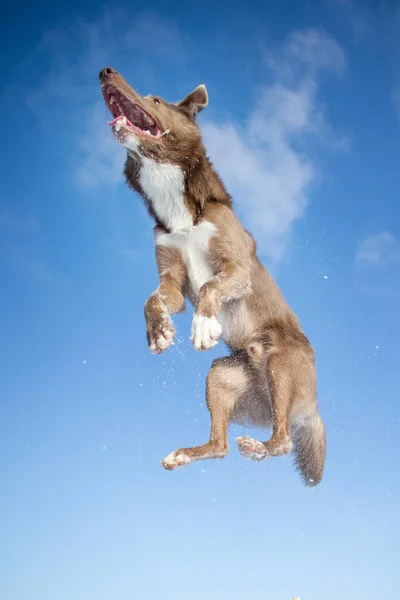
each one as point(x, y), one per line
point(304, 126)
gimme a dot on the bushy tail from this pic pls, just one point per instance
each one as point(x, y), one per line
point(308, 434)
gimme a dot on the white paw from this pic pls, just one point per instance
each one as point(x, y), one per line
point(205, 332)
point(250, 448)
point(176, 460)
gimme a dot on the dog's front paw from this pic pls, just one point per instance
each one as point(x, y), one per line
point(205, 332)
point(160, 332)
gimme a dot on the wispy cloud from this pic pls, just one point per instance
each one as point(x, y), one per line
point(306, 52)
point(101, 158)
point(380, 249)
point(358, 15)
point(265, 163)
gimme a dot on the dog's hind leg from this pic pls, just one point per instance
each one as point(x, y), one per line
point(290, 371)
point(227, 381)
point(281, 387)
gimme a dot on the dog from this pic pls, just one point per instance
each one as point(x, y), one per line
point(204, 254)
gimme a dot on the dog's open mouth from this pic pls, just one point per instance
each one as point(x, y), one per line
point(131, 116)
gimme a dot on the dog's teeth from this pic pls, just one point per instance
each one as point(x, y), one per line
point(112, 100)
point(119, 123)
point(147, 131)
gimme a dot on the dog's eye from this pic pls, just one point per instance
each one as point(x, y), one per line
point(156, 101)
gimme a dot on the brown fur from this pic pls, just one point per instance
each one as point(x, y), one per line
point(270, 377)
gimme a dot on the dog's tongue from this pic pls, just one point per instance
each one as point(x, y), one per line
point(125, 121)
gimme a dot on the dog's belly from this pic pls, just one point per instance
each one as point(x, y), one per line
point(236, 322)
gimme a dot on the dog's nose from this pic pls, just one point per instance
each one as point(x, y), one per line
point(105, 72)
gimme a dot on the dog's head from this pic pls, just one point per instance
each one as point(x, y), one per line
point(150, 126)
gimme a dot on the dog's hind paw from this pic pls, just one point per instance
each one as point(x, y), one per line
point(176, 460)
point(253, 449)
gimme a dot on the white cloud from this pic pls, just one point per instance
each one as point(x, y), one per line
point(378, 250)
point(102, 159)
point(265, 164)
point(306, 51)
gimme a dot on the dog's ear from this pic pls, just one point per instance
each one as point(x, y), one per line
point(195, 101)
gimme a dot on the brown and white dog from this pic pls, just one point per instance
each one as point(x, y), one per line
point(204, 254)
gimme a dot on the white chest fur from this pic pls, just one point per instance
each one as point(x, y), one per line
point(163, 184)
point(193, 243)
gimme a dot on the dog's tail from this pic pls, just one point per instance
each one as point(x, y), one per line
point(308, 434)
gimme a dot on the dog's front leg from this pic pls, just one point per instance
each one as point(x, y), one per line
point(231, 282)
point(167, 300)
